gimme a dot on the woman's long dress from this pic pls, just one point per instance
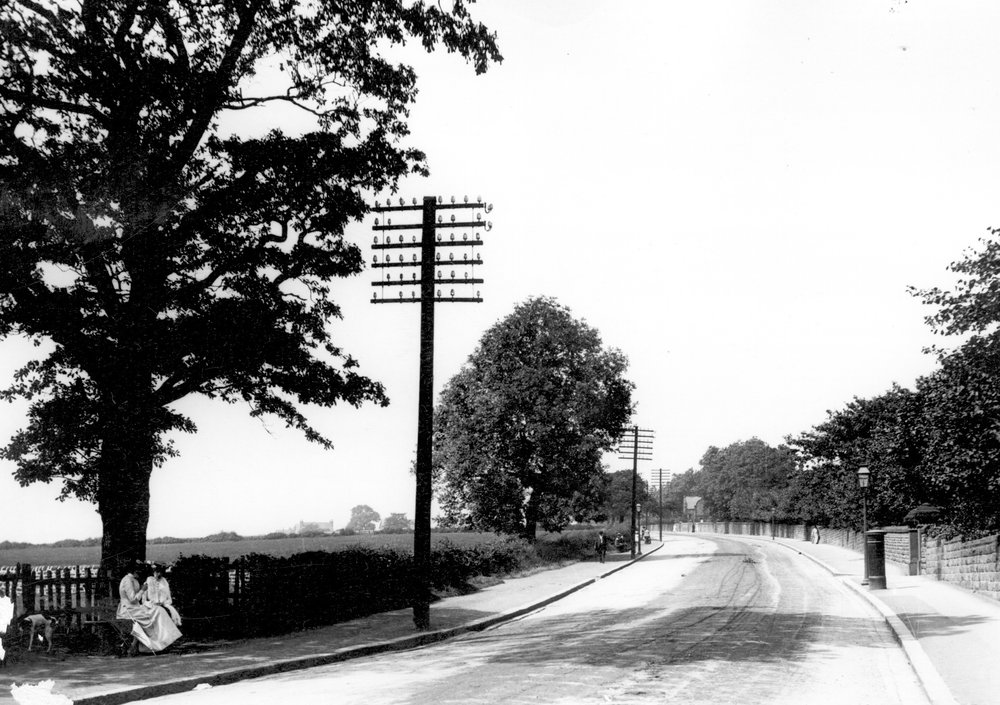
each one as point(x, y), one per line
point(152, 625)
point(158, 593)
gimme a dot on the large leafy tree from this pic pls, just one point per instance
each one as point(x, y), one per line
point(747, 480)
point(961, 436)
point(363, 518)
point(885, 434)
point(961, 418)
point(618, 497)
point(521, 429)
point(162, 256)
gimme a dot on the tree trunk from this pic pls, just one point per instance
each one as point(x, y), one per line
point(123, 492)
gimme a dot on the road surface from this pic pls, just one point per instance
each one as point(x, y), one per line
point(704, 620)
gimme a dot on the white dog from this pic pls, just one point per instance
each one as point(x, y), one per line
point(44, 625)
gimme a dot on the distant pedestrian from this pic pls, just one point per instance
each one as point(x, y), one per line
point(601, 546)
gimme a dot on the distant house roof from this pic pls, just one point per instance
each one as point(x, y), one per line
point(303, 526)
point(691, 503)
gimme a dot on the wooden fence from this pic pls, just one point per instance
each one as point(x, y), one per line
point(75, 592)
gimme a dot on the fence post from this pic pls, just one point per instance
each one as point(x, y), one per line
point(27, 580)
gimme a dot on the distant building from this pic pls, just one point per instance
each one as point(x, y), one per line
point(305, 527)
point(694, 508)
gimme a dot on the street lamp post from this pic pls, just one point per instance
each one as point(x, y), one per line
point(863, 475)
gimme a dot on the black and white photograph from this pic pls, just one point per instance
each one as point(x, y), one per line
point(432, 352)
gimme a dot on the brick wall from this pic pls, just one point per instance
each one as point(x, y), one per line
point(973, 565)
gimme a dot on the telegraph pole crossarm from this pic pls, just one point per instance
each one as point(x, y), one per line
point(430, 277)
point(635, 444)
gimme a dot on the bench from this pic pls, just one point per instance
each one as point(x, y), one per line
point(115, 634)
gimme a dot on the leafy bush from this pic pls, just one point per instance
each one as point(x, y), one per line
point(258, 594)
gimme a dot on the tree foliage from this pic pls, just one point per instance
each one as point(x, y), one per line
point(961, 436)
point(396, 523)
point(162, 255)
point(961, 421)
point(747, 480)
point(973, 305)
point(363, 518)
point(883, 434)
point(618, 497)
point(521, 429)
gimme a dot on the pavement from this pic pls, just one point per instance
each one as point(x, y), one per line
point(948, 634)
point(103, 680)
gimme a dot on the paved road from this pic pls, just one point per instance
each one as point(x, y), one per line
point(704, 620)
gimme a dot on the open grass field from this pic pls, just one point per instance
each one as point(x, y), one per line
point(168, 552)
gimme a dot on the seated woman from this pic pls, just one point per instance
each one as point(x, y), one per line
point(152, 626)
point(158, 593)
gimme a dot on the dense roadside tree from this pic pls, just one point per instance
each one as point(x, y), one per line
point(884, 433)
point(962, 399)
point(747, 480)
point(161, 255)
point(618, 498)
point(520, 430)
point(961, 436)
point(363, 518)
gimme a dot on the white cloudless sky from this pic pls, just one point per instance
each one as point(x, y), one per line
point(736, 194)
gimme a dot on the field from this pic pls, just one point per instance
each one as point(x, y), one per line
point(168, 552)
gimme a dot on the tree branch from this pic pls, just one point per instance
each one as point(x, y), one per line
point(31, 99)
point(201, 116)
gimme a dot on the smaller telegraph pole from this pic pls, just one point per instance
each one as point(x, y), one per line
point(435, 271)
point(660, 474)
point(635, 444)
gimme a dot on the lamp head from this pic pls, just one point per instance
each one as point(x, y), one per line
point(863, 474)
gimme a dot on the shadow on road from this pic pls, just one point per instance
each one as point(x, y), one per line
point(660, 556)
point(686, 635)
point(921, 624)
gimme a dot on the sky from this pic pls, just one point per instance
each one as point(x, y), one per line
point(736, 194)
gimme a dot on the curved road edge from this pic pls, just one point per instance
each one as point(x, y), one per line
point(344, 654)
point(934, 686)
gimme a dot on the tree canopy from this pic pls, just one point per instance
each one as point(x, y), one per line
point(363, 518)
point(396, 523)
point(938, 443)
point(521, 429)
point(973, 304)
point(162, 255)
point(747, 480)
point(617, 505)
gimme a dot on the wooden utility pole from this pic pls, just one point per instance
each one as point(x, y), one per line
point(430, 258)
point(635, 444)
point(659, 483)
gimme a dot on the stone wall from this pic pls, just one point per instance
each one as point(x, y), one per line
point(897, 547)
point(973, 565)
point(744, 528)
point(847, 538)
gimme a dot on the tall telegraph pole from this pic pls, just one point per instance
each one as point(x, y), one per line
point(635, 444)
point(660, 474)
point(435, 273)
